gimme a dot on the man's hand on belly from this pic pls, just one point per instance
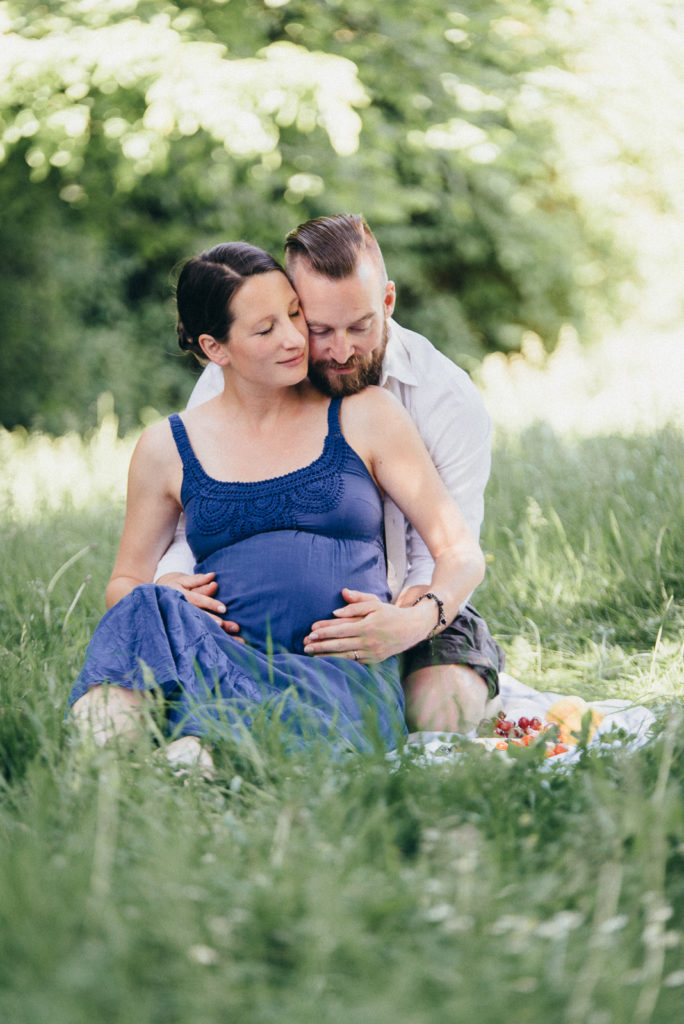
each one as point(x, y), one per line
point(200, 590)
point(367, 629)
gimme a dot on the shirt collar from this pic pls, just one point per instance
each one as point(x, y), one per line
point(397, 361)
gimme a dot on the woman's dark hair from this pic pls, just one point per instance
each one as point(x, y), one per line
point(207, 285)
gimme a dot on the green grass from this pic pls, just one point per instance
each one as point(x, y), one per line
point(298, 888)
point(586, 580)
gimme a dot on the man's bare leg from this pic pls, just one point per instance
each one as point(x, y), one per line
point(444, 698)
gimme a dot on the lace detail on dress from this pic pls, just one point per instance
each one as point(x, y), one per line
point(244, 509)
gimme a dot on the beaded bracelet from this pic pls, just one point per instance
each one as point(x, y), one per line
point(441, 620)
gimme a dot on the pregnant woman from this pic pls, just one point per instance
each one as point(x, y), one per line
point(282, 493)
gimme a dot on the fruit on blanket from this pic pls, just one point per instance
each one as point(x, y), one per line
point(555, 748)
point(524, 732)
point(568, 713)
point(525, 728)
point(561, 728)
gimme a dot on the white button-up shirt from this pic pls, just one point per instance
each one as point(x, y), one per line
point(455, 427)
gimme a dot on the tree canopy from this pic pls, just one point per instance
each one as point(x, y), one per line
point(133, 133)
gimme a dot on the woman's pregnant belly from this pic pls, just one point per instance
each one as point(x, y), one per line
point(276, 584)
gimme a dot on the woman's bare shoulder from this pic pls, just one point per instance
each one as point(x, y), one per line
point(374, 404)
point(203, 411)
point(155, 445)
point(371, 420)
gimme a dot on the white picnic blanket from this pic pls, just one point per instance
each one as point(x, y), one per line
point(517, 699)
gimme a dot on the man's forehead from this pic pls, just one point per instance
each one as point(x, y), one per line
point(336, 302)
point(364, 273)
point(323, 316)
point(366, 270)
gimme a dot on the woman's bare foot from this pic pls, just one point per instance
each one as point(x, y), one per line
point(188, 753)
point(106, 713)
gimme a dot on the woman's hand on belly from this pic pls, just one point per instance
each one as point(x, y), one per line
point(368, 629)
point(200, 589)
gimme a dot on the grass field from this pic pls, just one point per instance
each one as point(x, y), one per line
point(295, 888)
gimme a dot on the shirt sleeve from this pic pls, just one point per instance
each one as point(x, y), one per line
point(178, 557)
point(455, 426)
point(209, 385)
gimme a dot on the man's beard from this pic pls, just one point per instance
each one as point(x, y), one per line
point(366, 370)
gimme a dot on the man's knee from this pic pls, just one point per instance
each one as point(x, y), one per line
point(445, 698)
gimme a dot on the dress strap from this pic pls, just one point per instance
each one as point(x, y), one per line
point(334, 428)
point(189, 459)
point(180, 436)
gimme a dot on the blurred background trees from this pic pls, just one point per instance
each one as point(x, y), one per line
point(495, 147)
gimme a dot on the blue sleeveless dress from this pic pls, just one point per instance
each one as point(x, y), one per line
point(282, 550)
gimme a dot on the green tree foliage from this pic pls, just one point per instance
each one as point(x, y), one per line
point(134, 133)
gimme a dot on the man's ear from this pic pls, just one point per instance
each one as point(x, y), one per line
point(389, 299)
point(215, 351)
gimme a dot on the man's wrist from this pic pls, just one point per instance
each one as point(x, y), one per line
point(439, 610)
point(422, 615)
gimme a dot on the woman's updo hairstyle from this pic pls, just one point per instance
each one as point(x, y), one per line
point(206, 287)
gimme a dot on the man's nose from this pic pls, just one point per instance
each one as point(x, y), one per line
point(341, 347)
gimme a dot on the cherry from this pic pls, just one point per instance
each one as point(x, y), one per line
point(524, 723)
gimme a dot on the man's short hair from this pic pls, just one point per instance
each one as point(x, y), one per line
point(332, 246)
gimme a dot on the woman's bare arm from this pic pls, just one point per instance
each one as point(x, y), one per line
point(152, 508)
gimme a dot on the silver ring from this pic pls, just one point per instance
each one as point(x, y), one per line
point(356, 655)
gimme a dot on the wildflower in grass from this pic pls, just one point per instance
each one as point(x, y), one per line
point(220, 927)
point(560, 925)
point(513, 923)
point(654, 936)
point(460, 923)
point(205, 955)
point(613, 924)
point(438, 913)
point(518, 929)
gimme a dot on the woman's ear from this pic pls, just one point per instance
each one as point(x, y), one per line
point(215, 351)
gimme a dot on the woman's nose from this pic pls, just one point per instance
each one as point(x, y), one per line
point(295, 333)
